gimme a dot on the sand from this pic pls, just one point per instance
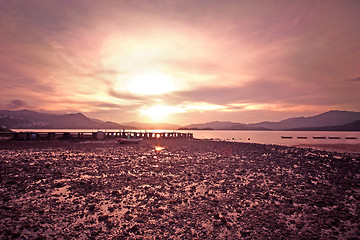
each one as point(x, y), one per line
point(189, 190)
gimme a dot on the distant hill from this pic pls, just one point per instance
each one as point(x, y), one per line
point(152, 126)
point(244, 127)
point(30, 119)
point(354, 126)
point(4, 129)
point(217, 125)
point(212, 125)
point(329, 120)
point(112, 125)
point(185, 128)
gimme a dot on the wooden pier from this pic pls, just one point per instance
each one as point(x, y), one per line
point(99, 135)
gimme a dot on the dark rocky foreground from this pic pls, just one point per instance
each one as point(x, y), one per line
point(190, 190)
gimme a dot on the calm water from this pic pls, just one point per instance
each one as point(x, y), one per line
point(266, 137)
point(275, 137)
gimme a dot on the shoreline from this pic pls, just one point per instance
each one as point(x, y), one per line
point(351, 148)
point(190, 189)
point(343, 148)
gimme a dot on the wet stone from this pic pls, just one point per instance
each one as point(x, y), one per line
point(189, 190)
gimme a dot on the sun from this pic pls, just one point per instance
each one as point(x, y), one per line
point(154, 83)
point(160, 112)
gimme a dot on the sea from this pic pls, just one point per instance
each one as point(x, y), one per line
point(288, 138)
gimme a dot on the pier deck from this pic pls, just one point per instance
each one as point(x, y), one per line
point(33, 136)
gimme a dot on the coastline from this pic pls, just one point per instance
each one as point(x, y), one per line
point(190, 189)
point(344, 148)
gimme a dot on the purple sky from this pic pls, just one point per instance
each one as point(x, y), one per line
point(180, 61)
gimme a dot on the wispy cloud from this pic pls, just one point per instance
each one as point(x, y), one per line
point(353, 79)
point(230, 55)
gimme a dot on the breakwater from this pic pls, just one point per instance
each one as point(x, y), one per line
point(99, 135)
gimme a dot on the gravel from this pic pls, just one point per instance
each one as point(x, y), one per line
point(190, 189)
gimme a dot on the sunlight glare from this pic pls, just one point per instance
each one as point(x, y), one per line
point(160, 112)
point(151, 84)
point(159, 148)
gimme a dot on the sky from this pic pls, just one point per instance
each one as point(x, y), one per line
point(180, 61)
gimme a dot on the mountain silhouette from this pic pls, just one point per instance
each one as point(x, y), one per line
point(29, 119)
point(327, 120)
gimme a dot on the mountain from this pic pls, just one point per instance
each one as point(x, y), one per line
point(217, 125)
point(185, 128)
point(30, 119)
point(354, 126)
point(331, 118)
point(244, 127)
point(152, 126)
point(112, 125)
point(4, 129)
point(213, 125)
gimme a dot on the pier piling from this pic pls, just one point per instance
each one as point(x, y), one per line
point(99, 135)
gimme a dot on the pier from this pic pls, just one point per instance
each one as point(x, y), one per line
point(99, 135)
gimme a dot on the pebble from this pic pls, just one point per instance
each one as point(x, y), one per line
point(190, 189)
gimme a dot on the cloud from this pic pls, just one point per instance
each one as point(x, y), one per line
point(259, 91)
point(226, 54)
point(126, 96)
point(16, 104)
point(353, 79)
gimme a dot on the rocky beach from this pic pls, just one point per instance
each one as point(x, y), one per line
point(187, 189)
